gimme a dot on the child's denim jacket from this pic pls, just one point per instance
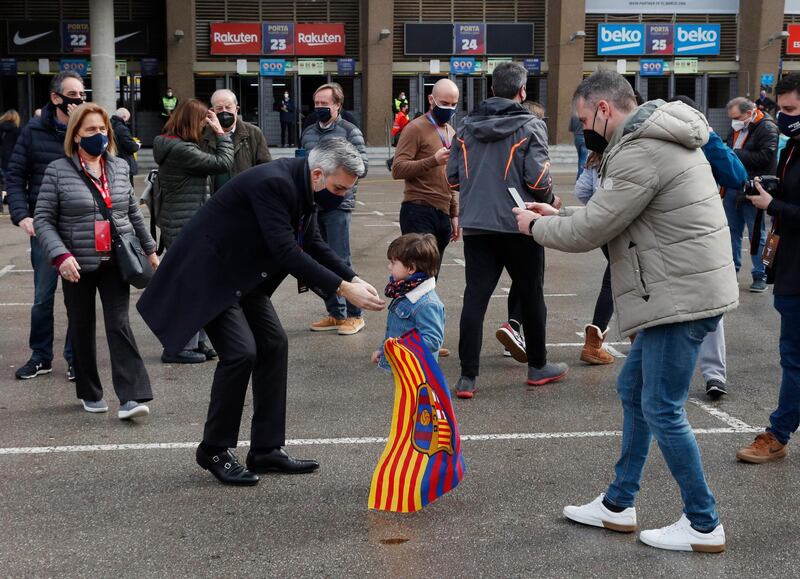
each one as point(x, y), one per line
point(422, 309)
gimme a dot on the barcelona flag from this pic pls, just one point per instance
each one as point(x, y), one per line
point(422, 459)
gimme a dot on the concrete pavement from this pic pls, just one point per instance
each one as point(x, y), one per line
point(147, 510)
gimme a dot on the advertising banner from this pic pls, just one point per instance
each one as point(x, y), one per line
point(75, 37)
point(235, 38)
point(34, 37)
point(659, 39)
point(319, 39)
point(470, 38)
point(131, 38)
point(663, 6)
point(278, 38)
point(614, 39)
point(793, 42)
point(697, 39)
point(462, 65)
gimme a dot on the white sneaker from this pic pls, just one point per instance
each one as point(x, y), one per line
point(597, 515)
point(132, 409)
point(681, 536)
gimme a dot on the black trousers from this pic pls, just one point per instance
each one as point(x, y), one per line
point(128, 373)
point(604, 307)
point(250, 340)
point(287, 131)
point(423, 219)
point(485, 257)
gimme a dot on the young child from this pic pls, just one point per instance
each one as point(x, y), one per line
point(414, 264)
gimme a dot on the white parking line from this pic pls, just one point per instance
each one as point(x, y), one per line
point(6, 269)
point(733, 422)
point(342, 441)
point(15, 304)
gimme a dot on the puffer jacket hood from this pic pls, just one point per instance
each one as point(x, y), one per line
point(671, 122)
point(495, 119)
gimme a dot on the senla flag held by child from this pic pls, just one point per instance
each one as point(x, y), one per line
point(422, 459)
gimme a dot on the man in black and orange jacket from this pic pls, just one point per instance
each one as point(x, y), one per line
point(501, 145)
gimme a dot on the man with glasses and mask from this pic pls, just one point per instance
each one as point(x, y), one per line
point(39, 143)
point(500, 145)
point(249, 145)
point(672, 274)
point(754, 139)
point(335, 212)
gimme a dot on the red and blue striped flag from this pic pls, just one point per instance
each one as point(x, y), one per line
point(422, 459)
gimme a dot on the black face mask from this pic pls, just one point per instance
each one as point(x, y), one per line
point(789, 125)
point(226, 119)
point(326, 200)
point(66, 101)
point(323, 114)
point(594, 140)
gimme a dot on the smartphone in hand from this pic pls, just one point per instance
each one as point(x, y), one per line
point(516, 197)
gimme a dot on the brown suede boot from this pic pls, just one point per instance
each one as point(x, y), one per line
point(593, 352)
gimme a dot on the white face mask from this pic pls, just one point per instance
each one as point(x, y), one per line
point(738, 125)
point(286, 96)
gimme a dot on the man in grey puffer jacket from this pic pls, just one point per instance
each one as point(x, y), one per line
point(334, 214)
point(672, 275)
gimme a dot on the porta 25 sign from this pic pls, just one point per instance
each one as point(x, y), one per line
point(658, 39)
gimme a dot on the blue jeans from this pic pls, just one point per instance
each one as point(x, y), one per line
point(741, 212)
point(583, 152)
point(786, 418)
point(334, 226)
point(653, 387)
point(45, 280)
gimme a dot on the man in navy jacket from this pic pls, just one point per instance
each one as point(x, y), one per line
point(41, 141)
point(219, 275)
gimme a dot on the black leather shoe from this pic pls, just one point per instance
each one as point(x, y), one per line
point(277, 460)
point(206, 350)
point(226, 468)
point(183, 357)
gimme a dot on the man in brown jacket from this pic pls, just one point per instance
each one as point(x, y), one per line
point(249, 145)
point(429, 204)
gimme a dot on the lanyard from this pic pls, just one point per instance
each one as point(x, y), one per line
point(445, 138)
point(102, 184)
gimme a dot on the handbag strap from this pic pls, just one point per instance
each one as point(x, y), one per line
point(101, 204)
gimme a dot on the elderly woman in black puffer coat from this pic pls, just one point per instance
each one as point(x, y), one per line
point(75, 235)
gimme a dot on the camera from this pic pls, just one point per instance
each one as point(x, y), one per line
point(770, 184)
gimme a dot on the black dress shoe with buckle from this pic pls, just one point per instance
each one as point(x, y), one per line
point(276, 460)
point(226, 468)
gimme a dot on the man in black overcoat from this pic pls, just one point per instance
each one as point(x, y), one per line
point(219, 275)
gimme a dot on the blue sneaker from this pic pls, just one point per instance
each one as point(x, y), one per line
point(132, 409)
point(95, 406)
point(758, 286)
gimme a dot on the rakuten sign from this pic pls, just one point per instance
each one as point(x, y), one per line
point(236, 38)
point(319, 39)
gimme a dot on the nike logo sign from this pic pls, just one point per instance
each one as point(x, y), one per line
point(21, 40)
point(124, 36)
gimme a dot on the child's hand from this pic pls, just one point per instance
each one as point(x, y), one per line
point(375, 356)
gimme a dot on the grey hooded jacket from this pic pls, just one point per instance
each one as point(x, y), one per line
point(659, 210)
point(66, 210)
point(314, 134)
point(499, 145)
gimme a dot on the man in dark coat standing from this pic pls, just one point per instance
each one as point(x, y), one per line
point(238, 248)
point(126, 144)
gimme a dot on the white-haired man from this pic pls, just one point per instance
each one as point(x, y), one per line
point(249, 145)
